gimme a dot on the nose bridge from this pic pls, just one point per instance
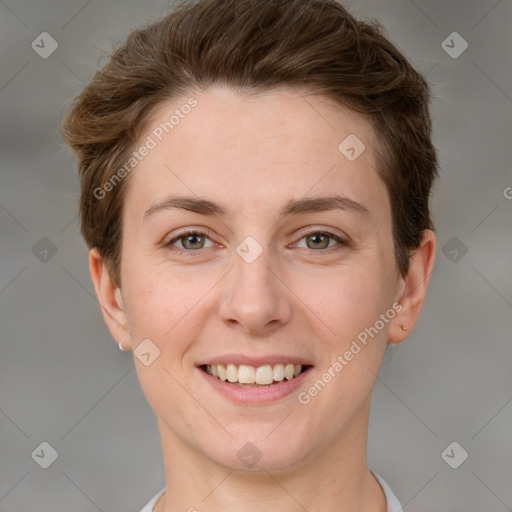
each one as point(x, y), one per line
point(253, 277)
point(253, 296)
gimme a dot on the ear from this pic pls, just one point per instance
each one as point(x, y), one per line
point(413, 288)
point(111, 301)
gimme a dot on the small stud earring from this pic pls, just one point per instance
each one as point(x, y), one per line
point(403, 328)
point(121, 348)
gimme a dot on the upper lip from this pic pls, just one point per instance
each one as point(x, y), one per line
point(238, 359)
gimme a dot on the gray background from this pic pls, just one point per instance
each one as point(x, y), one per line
point(62, 379)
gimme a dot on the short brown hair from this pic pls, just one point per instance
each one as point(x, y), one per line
point(255, 45)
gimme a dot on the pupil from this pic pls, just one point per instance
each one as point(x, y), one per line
point(191, 238)
point(315, 241)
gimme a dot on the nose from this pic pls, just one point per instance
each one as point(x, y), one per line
point(254, 298)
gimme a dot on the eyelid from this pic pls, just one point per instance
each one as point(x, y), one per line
point(205, 232)
point(342, 240)
point(310, 230)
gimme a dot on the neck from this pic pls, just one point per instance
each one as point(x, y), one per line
point(334, 478)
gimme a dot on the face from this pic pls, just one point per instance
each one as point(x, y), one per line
point(250, 239)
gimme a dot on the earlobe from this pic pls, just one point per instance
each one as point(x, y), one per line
point(109, 297)
point(413, 288)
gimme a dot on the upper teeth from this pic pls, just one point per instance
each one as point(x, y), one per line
point(245, 374)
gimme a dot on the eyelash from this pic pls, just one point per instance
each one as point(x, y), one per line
point(341, 242)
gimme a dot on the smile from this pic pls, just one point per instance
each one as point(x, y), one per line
point(246, 375)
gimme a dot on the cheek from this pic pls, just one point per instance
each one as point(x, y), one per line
point(351, 307)
point(164, 302)
point(346, 300)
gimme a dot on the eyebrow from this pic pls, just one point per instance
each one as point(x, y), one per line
point(292, 207)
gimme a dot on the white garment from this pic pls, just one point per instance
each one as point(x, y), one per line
point(391, 499)
point(152, 503)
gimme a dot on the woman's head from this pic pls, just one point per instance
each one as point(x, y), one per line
point(269, 172)
point(313, 45)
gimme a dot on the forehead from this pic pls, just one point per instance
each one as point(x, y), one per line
point(283, 115)
point(241, 148)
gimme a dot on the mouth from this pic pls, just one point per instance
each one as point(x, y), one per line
point(255, 376)
point(256, 379)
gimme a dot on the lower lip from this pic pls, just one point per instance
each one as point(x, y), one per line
point(256, 394)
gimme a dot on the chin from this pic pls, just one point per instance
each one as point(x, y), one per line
point(252, 450)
